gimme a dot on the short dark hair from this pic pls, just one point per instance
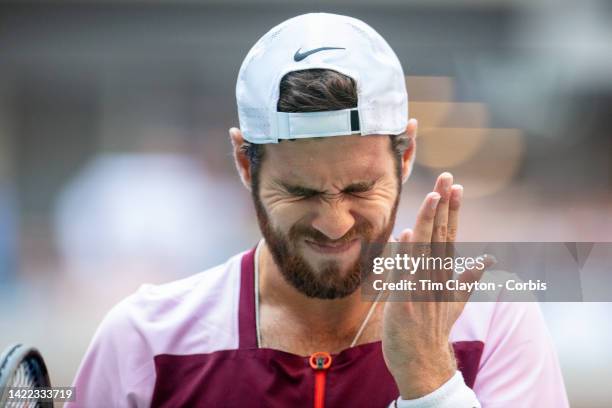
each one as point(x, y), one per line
point(317, 90)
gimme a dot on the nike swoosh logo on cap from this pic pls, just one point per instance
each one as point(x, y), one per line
point(298, 56)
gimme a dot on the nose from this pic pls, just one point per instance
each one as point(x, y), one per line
point(334, 219)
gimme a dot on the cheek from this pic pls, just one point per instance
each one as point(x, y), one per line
point(376, 211)
point(284, 213)
point(377, 207)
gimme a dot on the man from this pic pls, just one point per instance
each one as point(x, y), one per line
point(324, 146)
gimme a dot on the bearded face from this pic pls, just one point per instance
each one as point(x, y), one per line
point(320, 204)
point(328, 279)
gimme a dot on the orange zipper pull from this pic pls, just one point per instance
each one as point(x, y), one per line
point(320, 362)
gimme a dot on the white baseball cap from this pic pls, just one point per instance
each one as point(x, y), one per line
point(327, 41)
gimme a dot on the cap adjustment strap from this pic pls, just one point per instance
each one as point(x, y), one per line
point(298, 125)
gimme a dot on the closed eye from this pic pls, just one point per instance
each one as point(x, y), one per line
point(306, 192)
point(358, 188)
point(303, 192)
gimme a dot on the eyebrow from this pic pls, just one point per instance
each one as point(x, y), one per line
point(358, 187)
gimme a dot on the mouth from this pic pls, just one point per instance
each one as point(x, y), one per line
point(332, 248)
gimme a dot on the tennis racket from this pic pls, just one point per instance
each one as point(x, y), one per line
point(22, 367)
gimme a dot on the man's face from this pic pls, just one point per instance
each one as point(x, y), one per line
point(318, 200)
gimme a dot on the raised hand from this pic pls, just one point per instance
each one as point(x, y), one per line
point(416, 333)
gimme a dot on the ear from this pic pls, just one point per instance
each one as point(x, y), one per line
point(409, 154)
point(243, 165)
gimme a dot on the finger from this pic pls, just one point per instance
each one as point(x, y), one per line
point(454, 204)
point(391, 250)
point(404, 241)
point(438, 236)
point(442, 187)
point(421, 235)
point(398, 246)
point(425, 219)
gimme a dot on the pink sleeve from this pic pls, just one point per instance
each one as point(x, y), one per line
point(519, 366)
point(117, 370)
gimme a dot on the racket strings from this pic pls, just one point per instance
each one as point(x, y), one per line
point(27, 375)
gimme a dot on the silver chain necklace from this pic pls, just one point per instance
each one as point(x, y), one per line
point(256, 277)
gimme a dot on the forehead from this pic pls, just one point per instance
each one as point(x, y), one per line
point(330, 158)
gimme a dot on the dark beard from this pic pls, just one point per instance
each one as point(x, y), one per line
point(330, 282)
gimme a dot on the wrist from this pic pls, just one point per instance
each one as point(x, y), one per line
point(422, 375)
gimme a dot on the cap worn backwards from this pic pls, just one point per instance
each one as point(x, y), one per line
point(326, 41)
